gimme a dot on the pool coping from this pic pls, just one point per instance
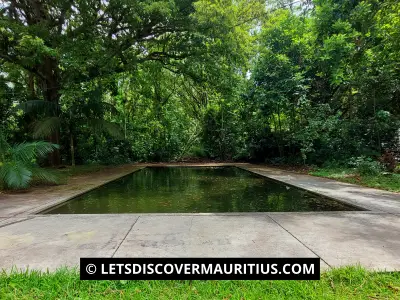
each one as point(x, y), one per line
point(383, 201)
point(45, 207)
point(356, 208)
point(40, 211)
point(369, 199)
point(361, 209)
point(338, 238)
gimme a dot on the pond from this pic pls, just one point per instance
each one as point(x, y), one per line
point(196, 190)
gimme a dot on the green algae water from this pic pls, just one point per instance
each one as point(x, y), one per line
point(196, 190)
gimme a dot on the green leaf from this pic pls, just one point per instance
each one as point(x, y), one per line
point(25, 152)
point(15, 175)
point(46, 127)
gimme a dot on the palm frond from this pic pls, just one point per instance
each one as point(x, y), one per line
point(113, 130)
point(27, 152)
point(46, 127)
point(45, 175)
point(15, 175)
point(109, 107)
point(99, 126)
point(38, 106)
point(4, 146)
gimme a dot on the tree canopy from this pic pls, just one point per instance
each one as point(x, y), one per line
point(116, 81)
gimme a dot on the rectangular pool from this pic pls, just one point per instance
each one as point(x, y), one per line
point(196, 190)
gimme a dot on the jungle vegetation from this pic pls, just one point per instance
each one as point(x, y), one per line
point(312, 82)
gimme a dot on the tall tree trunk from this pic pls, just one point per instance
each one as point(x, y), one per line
point(31, 85)
point(125, 121)
point(72, 150)
point(222, 143)
point(51, 93)
point(376, 129)
point(37, 13)
point(280, 133)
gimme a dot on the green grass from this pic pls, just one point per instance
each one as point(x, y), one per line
point(342, 283)
point(389, 182)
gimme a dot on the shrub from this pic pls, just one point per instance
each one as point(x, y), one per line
point(366, 165)
point(112, 152)
point(198, 151)
point(397, 169)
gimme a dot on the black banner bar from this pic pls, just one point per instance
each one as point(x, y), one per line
point(200, 268)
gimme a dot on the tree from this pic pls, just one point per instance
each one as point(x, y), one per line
point(64, 43)
point(326, 80)
point(87, 110)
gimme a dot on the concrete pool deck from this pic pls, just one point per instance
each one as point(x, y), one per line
point(370, 238)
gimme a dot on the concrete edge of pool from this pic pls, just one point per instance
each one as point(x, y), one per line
point(338, 238)
point(364, 199)
point(344, 206)
point(358, 207)
point(42, 199)
point(48, 206)
point(368, 199)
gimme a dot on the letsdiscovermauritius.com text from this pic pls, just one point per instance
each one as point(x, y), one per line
point(205, 269)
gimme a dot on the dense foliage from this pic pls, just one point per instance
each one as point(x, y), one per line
point(328, 80)
point(119, 81)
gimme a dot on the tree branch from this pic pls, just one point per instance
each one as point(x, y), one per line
point(19, 63)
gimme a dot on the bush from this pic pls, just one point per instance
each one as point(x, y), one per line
point(366, 165)
point(197, 151)
point(397, 169)
point(112, 152)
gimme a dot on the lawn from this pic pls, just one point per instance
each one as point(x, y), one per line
point(342, 283)
point(389, 182)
